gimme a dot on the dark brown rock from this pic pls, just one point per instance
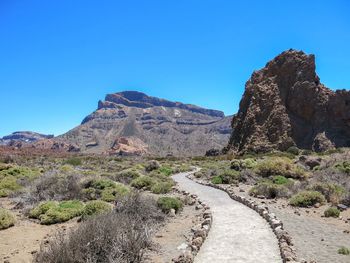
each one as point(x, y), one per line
point(284, 105)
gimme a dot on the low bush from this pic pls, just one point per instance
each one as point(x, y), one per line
point(332, 212)
point(119, 236)
point(216, 180)
point(161, 187)
point(344, 251)
point(293, 150)
point(241, 164)
point(152, 165)
point(6, 219)
point(112, 193)
point(54, 186)
point(307, 198)
point(269, 190)
point(42, 208)
point(143, 182)
point(280, 166)
point(53, 212)
point(280, 180)
point(13, 178)
point(105, 189)
point(168, 203)
point(343, 167)
point(95, 207)
point(74, 161)
point(333, 192)
point(229, 176)
point(166, 170)
point(126, 176)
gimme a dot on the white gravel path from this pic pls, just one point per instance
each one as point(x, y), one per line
point(238, 233)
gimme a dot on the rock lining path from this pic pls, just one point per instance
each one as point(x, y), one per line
point(238, 233)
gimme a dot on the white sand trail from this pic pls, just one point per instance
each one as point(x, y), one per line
point(238, 233)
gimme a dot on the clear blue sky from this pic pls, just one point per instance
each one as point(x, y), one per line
point(58, 58)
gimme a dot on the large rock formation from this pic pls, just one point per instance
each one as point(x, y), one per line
point(284, 104)
point(131, 122)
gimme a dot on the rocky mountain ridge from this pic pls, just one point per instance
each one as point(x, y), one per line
point(132, 122)
point(284, 105)
point(23, 136)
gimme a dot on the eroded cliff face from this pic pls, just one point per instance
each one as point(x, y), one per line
point(284, 104)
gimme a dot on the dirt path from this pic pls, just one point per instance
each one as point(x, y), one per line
point(238, 234)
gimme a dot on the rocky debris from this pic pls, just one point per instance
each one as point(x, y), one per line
point(161, 127)
point(310, 161)
point(128, 146)
point(342, 207)
point(284, 105)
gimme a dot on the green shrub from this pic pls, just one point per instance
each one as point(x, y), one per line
point(105, 189)
point(166, 170)
point(279, 179)
point(241, 164)
point(216, 180)
point(110, 194)
point(152, 165)
point(143, 182)
point(161, 187)
point(343, 167)
point(229, 176)
point(54, 212)
point(74, 161)
point(332, 192)
point(293, 150)
point(269, 190)
point(6, 219)
point(13, 177)
point(101, 184)
point(344, 251)
point(126, 176)
point(42, 208)
point(168, 203)
point(306, 152)
point(307, 198)
point(95, 207)
point(280, 166)
point(332, 212)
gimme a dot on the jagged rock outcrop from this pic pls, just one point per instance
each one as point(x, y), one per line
point(133, 123)
point(284, 105)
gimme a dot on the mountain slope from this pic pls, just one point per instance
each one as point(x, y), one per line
point(131, 122)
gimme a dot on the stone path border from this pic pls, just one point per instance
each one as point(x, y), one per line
point(200, 232)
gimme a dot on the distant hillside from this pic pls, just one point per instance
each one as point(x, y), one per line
point(23, 136)
point(132, 122)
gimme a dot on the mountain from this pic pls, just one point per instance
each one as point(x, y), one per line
point(23, 136)
point(284, 105)
point(133, 123)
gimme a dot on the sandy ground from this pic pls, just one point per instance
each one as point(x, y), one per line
point(19, 243)
point(238, 233)
point(170, 239)
point(316, 238)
